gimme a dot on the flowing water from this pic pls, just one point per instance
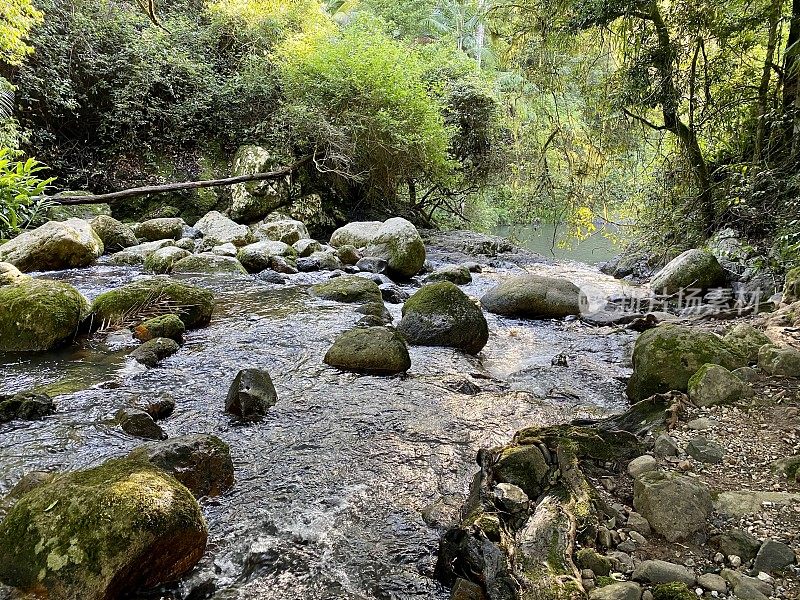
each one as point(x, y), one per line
point(332, 486)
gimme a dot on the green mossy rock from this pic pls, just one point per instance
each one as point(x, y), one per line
point(38, 314)
point(665, 358)
point(255, 200)
point(373, 350)
point(257, 257)
point(348, 288)
point(713, 384)
point(137, 255)
point(165, 326)
point(693, 269)
point(533, 296)
point(87, 212)
point(523, 466)
point(779, 362)
point(27, 406)
point(101, 533)
point(287, 231)
point(440, 314)
point(53, 246)
point(791, 289)
point(164, 228)
point(208, 264)
point(194, 305)
point(398, 242)
point(673, 591)
point(745, 340)
point(457, 274)
point(589, 558)
point(162, 260)
point(115, 235)
point(154, 351)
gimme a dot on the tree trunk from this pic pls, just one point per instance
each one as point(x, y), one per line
point(766, 73)
point(791, 78)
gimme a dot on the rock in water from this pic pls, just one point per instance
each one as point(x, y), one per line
point(137, 255)
point(348, 288)
point(358, 234)
point(457, 274)
point(676, 506)
point(55, 245)
point(713, 384)
point(440, 314)
point(27, 406)
point(374, 350)
point(101, 533)
point(139, 423)
point(217, 229)
point(38, 314)
point(694, 269)
point(666, 357)
point(162, 260)
point(154, 351)
point(533, 296)
point(208, 264)
point(165, 326)
point(194, 305)
point(166, 228)
point(114, 235)
point(200, 462)
point(399, 243)
point(257, 257)
point(251, 395)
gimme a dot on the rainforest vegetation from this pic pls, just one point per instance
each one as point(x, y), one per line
point(674, 119)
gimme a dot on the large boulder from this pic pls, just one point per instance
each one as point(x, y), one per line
point(257, 257)
point(254, 200)
point(791, 289)
point(200, 462)
point(114, 234)
point(713, 384)
point(533, 296)
point(217, 229)
point(746, 340)
point(348, 288)
point(440, 314)
point(691, 270)
point(101, 533)
point(62, 212)
point(39, 314)
point(458, 274)
point(287, 231)
point(194, 305)
point(358, 234)
point(208, 264)
point(676, 506)
point(162, 260)
point(399, 243)
point(665, 358)
point(137, 255)
point(780, 362)
point(165, 228)
point(373, 350)
point(55, 245)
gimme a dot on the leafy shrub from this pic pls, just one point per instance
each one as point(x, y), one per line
point(19, 188)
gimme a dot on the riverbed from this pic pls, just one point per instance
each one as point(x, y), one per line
point(344, 488)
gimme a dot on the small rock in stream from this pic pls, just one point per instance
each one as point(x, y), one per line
point(140, 424)
point(251, 395)
point(154, 351)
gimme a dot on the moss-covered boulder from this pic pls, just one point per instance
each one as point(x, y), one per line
point(254, 200)
point(791, 289)
point(523, 466)
point(165, 326)
point(358, 234)
point(348, 288)
point(162, 260)
point(114, 234)
point(693, 269)
point(533, 296)
point(217, 229)
point(194, 305)
point(154, 351)
point(164, 228)
point(62, 212)
point(39, 314)
point(306, 247)
point(208, 264)
point(200, 462)
point(713, 384)
point(457, 274)
point(440, 314)
point(257, 257)
point(780, 362)
point(745, 340)
point(589, 558)
point(665, 358)
point(373, 350)
point(288, 231)
point(137, 255)
point(55, 245)
point(399, 243)
point(101, 533)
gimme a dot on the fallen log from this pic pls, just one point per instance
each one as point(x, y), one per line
point(175, 187)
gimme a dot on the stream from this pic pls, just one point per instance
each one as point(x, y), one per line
point(343, 489)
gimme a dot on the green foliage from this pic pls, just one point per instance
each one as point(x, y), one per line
point(16, 19)
point(19, 187)
point(356, 100)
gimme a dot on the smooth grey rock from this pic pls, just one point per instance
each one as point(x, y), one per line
point(661, 571)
